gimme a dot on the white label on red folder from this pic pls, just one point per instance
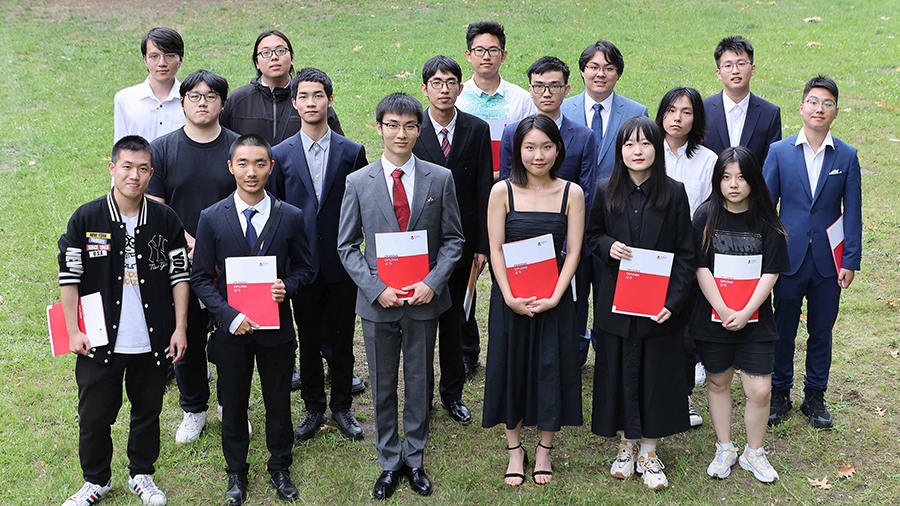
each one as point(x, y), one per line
point(836, 241)
point(531, 267)
point(91, 321)
point(402, 258)
point(737, 277)
point(496, 126)
point(643, 283)
point(250, 281)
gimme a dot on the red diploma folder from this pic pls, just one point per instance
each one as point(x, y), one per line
point(836, 240)
point(737, 277)
point(250, 281)
point(91, 321)
point(402, 258)
point(497, 126)
point(531, 267)
point(642, 283)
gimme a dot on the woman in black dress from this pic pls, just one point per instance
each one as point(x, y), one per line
point(639, 377)
point(533, 374)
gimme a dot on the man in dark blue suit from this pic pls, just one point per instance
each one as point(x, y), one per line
point(310, 169)
point(734, 116)
point(816, 177)
point(251, 222)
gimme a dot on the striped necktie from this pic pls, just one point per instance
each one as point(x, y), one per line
point(445, 143)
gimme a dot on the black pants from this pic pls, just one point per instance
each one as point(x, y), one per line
point(451, 327)
point(190, 371)
point(690, 347)
point(99, 400)
point(325, 315)
point(469, 340)
point(235, 366)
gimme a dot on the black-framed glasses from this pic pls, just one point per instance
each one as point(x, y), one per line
point(437, 84)
point(814, 103)
point(540, 88)
point(267, 53)
point(606, 69)
point(169, 57)
point(195, 96)
point(741, 65)
point(394, 128)
point(494, 51)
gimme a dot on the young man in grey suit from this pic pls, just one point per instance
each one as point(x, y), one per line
point(377, 199)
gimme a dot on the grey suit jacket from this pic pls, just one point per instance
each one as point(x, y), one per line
point(367, 209)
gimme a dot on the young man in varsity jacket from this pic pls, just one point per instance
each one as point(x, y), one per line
point(132, 250)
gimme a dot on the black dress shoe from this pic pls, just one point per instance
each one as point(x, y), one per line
point(386, 484)
point(779, 406)
point(295, 379)
point(348, 425)
point(814, 407)
point(418, 480)
point(458, 412)
point(281, 481)
point(309, 425)
point(236, 493)
point(356, 385)
point(470, 366)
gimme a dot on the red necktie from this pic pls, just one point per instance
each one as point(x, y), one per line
point(401, 204)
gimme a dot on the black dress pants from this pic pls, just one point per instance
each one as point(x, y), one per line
point(190, 371)
point(452, 324)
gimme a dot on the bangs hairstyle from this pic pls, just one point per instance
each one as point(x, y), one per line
point(548, 64)
point(759, 200)
point(215, 82)
point(131, 143)
point(286, 43)
point(518, 174)
point(736, 44)
point(617, 191)
point(609, 50)
point(489, 27)
point(400, 104)
point(166, 39)
point(824, 82)
point(311, 75)
point(249, 140)
point(698, 128)
point(441, 63)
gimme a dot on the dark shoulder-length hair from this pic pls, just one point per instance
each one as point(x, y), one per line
point(760, 206)
point(698, 129)
point(617, 188)
point(517, 174)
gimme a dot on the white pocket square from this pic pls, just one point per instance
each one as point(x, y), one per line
point(429, 199)
point(835, 172)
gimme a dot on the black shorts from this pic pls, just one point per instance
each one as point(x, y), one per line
point(755, 358)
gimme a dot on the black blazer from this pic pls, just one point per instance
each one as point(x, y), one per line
point(472, 165)
point(219, 236)
point(290, 182)
point(762, 126)
point(669, 230)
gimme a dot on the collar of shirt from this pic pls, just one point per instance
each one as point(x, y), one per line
point(729, 104)
point(307, 141)
point(676, 154)
point(408, 168)
point(501, 90)
point(174, 93)
point(801, 139)
point(558, 121)
point(262, 208)
point(589, 109)
point(645, 187)
point(451, 127)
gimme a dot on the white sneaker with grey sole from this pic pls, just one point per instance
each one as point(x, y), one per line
point(190, 428)
point(89, 494)
point(756, 462)
point(696, 419)
point(720, 467)
point(145, 488)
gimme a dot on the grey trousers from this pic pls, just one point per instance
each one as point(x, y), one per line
point(384, 342)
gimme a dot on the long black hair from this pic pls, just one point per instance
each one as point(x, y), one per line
point(617, 189)
point(760, 200)
point(698, 128)
point(518, 174)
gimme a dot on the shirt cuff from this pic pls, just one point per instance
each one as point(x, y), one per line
point(238, 320)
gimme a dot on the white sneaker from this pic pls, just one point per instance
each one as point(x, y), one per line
point(623, 466)
point(89, 494)
point(720, 467)
point(699, 375)
point(757, 463)
point(652, 469)
point(249, 427)
point(146, 489)
point(696, 419)
point(191, 427)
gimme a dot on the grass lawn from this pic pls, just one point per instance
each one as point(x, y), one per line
point(62, 61)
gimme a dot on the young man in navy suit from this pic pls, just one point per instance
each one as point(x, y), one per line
point(310, 169)
point(735, 116)
point(816, 177)
point(251, 222)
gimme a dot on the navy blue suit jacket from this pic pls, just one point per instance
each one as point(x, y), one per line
point(762, 126)
point(290, 181)
point(806, 216)
point(219, 236)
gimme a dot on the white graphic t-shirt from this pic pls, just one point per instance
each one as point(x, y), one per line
point(133, 337)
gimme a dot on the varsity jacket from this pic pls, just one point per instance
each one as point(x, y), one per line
point(92, 256)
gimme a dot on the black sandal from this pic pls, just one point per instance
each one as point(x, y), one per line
point(536, 472)
point(524, 465)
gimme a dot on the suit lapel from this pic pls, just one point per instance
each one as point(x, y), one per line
point(270, 228)
point(578, 106)
point(720, 126)
point(420, 193)
point(378, 189)
point(615, 121)
point(298, 156)
point(335, 154)
point(567, 131)
point(752, 119)
point(827, 165)
point(430, 142)
point(461, 135)
point(235, 225)
point(800, 163)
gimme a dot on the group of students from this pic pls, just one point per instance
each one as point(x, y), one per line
point(267, 171)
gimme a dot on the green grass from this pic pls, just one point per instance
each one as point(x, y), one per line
point(61, 63)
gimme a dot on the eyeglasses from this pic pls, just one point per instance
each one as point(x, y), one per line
point(267, 53)
point(741, 64)
point(606, 69)
point(393, 128)
point(169, 57)
point(493, 51)
point(827, 105)
point(437, 84)
point(540, 88)
point(210, 96)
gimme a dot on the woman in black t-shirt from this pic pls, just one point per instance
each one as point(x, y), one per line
point(738, 228)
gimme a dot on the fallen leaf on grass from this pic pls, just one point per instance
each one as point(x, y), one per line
point(357, 48)
point(32, 162)
point(846, 471)
point(814, 19)
point(823, 483)
point(895, 353)
point(880, 411)
point(812, 43)
point(884, 18)
point(766, 3)
point(881, 104)
point(894, 140)
point(873, 228)
point(787, 43)
point(576, 21)
point(405, 73)
point(892, 303)
point(397, 44)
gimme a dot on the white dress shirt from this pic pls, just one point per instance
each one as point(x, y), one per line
point(451, 127)
point(316, 160)
point(259, 222)
point(695, 172)
point(408, 179)
point(137, 111)
point(813, 159)
point(604, 113)
point(734, 119)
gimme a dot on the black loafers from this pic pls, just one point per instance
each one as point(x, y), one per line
point(458, 412)
point(418, 480)
point(236, 493)
point(281, 482)
point(386, 484)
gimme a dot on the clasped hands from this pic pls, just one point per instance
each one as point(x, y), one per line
point(390, 297)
